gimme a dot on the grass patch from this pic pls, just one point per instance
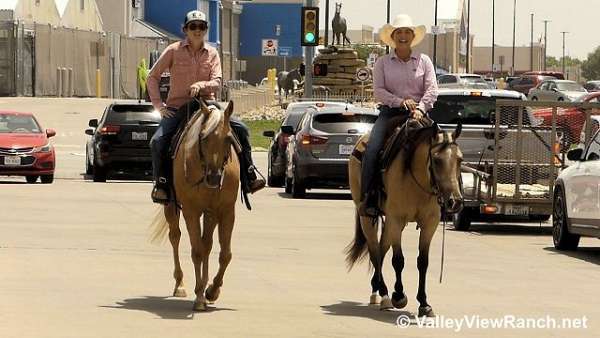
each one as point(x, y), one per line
point(257, 140)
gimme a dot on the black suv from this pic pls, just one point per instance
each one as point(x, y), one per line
point(121, 139)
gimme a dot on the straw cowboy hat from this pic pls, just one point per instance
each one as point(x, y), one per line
point(401, 21)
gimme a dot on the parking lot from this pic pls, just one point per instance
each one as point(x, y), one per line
point(76, 262)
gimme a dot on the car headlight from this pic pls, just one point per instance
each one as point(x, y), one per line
point(43, 149)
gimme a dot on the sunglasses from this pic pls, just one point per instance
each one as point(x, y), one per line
point(197, 26)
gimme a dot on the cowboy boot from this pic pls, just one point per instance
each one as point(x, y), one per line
point(254, 183)
point(160, 192)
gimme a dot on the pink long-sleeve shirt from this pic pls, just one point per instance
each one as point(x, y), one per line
point(186, 67)
point(395, 80)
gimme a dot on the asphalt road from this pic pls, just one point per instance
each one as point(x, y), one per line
point(75, 261)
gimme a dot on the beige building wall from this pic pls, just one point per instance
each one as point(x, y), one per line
point(82, 15)
point(482, 59)
point(30, 11)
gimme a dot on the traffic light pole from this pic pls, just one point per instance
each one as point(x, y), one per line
point(308, 57)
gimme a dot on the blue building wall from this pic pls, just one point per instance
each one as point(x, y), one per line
point(258, 21)
point(169, 15)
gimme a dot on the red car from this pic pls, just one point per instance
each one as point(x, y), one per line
point(570, 119)
point(24, 148)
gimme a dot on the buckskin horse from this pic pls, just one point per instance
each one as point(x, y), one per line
point(417, 182)
point(206, 177)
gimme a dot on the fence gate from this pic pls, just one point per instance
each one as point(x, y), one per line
point(7, 57)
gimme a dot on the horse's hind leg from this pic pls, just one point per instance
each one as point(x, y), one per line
point(427, 232)
point(172, 215)
point(376, 255)
point(225, 231)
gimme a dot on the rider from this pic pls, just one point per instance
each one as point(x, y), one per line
point(195, 70)
point(405, 83)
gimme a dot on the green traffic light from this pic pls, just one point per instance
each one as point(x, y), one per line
point(309, 37)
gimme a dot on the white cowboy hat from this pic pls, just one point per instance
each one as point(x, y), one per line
point(401, 21)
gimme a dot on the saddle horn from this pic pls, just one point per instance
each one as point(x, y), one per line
point(458, 130)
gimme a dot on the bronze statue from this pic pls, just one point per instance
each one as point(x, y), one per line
point(339, 26)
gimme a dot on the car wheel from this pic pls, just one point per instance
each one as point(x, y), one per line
point(462, 220)
point(88, 166)
point(563, 239)
point(275, 181)
point(288, 185)
point(31, 178)
point(561, 99)
point(298, 188)
point(99, 173)
point(47, 179)
point(534, 98)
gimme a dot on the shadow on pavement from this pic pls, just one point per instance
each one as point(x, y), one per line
point(164, 307)
point(360, 310)
point(502, 229)
point(320, 196)
point(590, 255)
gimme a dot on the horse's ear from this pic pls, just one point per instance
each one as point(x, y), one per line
point(458, 130)
point(203, 108)
point(229, 109)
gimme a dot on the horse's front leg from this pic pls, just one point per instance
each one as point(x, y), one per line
point(172, 215)
point(192, 220)
point(210, 222)
point(427, 231)
point(396, 226)
point(226, 223)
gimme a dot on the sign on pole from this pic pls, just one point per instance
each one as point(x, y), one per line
point(372, 59)
point(285, 51)
point(363, 74)
point(269, 47)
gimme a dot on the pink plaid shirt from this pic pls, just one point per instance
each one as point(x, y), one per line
point(395, 80)
point(186, 68)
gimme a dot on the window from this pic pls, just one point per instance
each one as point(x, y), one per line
point(449, 109)
point(18, 124)
point(544, 86)
point(446, 79)
point(526, 81)
point(570, 87)
point(132, 114)
point(342, 124)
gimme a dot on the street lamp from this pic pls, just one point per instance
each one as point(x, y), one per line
point(435, 37)
point(387, 48)
point(545, 41)
point(531, 46)
point(563, 57)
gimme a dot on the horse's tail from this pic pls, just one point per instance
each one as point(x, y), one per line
point(159, 228)
point(356, 251)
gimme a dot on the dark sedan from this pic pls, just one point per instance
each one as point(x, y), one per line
point(318, 151)
point(120, 140)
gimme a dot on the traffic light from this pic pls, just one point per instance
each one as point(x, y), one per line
point(310, 26)
point(319, 69)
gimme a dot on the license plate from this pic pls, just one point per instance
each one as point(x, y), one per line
point(516, 210)
point(12, 160)
point(346, 149)
point(139, 136)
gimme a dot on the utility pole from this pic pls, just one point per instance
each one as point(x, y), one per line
point(531, 46)
point(308, 54)
point(514, 35)
point(326, 39)
point(493, 33)
point(563, 56)
point(545, 41)
point(387, 48)
point(435, 38)
point(468, 35)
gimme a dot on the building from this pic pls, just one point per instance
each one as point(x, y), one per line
point(266, 23)
point(364, 35)
point(482, 59)
point(82, 15)
point(30, 11)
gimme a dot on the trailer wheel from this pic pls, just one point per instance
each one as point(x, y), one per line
point(462, 220)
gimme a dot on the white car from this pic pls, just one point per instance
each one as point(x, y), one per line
point(577, 195)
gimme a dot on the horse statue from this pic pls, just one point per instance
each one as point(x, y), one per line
point(206, 177)
point(416, 182)
point(285, 81)
point(338, 24)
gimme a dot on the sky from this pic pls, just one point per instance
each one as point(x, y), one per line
point(579, 17)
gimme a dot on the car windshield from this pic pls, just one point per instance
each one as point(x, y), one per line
point(10, 123)
point(294, 117)
point(132, 114)
point(343, 123)
point(570, 87)
point(450, 109)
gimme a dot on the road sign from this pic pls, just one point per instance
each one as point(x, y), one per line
point(269, 47)
point(372, 59)
point(285, 51)
point(437, 30)
point(363, 74)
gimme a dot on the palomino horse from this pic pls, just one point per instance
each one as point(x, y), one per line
point(206, 177)
point(416, 183)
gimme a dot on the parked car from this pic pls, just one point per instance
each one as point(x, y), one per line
point(592, 86)
point(318, 152)
point(557, 90)
point(277, 157)
point(25, 148)
point(463, 81)
point(523, 84)
point(571, 120)
point(556, 75)
point(120, 140)
point(491, 82)
point(576, 197)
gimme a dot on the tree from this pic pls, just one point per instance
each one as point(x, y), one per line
point(591, 67)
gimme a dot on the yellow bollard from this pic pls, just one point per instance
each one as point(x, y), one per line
point(98, 83)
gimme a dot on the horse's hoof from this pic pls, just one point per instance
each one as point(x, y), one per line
point(426, 311)
point(179, 292)
point(386, 303)
point(398, 301)
point(200, 306)
point(212, 293)
point(374, 300)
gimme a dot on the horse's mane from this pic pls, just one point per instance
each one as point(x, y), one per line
point(210, 123)
point(415, 139)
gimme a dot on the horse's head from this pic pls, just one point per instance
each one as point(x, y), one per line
point(338, 7)
point(446, 159)
point(215, 142)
